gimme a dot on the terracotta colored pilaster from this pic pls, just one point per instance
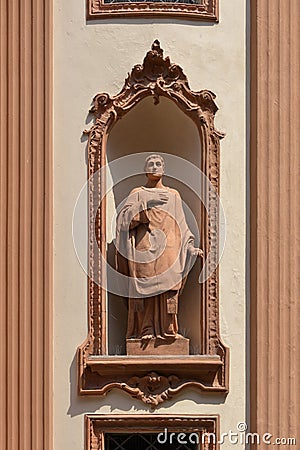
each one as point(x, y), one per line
point(26, 225)
point(274, 179)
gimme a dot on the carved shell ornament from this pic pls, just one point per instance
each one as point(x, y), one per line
point(153, 388)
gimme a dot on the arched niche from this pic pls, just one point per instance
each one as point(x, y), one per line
point(179, 118)
point(146, 129)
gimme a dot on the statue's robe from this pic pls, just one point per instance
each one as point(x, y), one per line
point(154, 249)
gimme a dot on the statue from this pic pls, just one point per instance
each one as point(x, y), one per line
point(155, 249)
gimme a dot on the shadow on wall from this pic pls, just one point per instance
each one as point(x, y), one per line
point(80, 404)
point(117, 400)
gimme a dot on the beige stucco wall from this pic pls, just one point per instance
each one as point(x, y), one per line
point(94, 57)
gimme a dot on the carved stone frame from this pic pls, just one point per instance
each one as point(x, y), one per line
point(97, 425)
point(153, 379)
point(207, 10)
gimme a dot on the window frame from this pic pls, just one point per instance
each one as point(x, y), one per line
point(207, 10)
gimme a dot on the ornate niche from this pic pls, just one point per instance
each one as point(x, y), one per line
point(201, 430)
point(207, 10)
point(152, 379)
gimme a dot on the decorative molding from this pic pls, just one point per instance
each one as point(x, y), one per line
point(205, 10)
point(97, 425)
point(26, 225)
point(274, 218)
point(153, 389)
point(156, 77)
point(132, 375)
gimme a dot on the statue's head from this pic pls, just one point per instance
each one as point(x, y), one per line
point(154, 166)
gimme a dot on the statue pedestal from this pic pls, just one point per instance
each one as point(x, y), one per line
point(178, 345)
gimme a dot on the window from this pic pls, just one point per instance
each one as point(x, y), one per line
point(194, 9)
point(151, 432)
point(150, 441)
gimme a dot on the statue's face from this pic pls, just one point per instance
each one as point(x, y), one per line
point(154, 168)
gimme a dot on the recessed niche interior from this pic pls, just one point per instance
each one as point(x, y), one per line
point(166, 130)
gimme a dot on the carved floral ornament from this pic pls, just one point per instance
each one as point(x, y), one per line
point(153, 380)
point(204, 10)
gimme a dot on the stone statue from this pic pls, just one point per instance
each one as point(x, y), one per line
point(155, 249)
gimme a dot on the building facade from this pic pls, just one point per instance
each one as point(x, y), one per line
point(55, 61)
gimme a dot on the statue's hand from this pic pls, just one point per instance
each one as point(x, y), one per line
point(197, 252)
point(158, 199)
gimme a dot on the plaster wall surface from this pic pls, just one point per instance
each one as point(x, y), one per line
point(95, 57)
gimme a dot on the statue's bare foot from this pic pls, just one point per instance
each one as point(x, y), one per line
point(145, 340)
point(147, 337)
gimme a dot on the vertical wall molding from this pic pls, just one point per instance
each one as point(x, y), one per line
point(274, 179)
point(26, 225)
